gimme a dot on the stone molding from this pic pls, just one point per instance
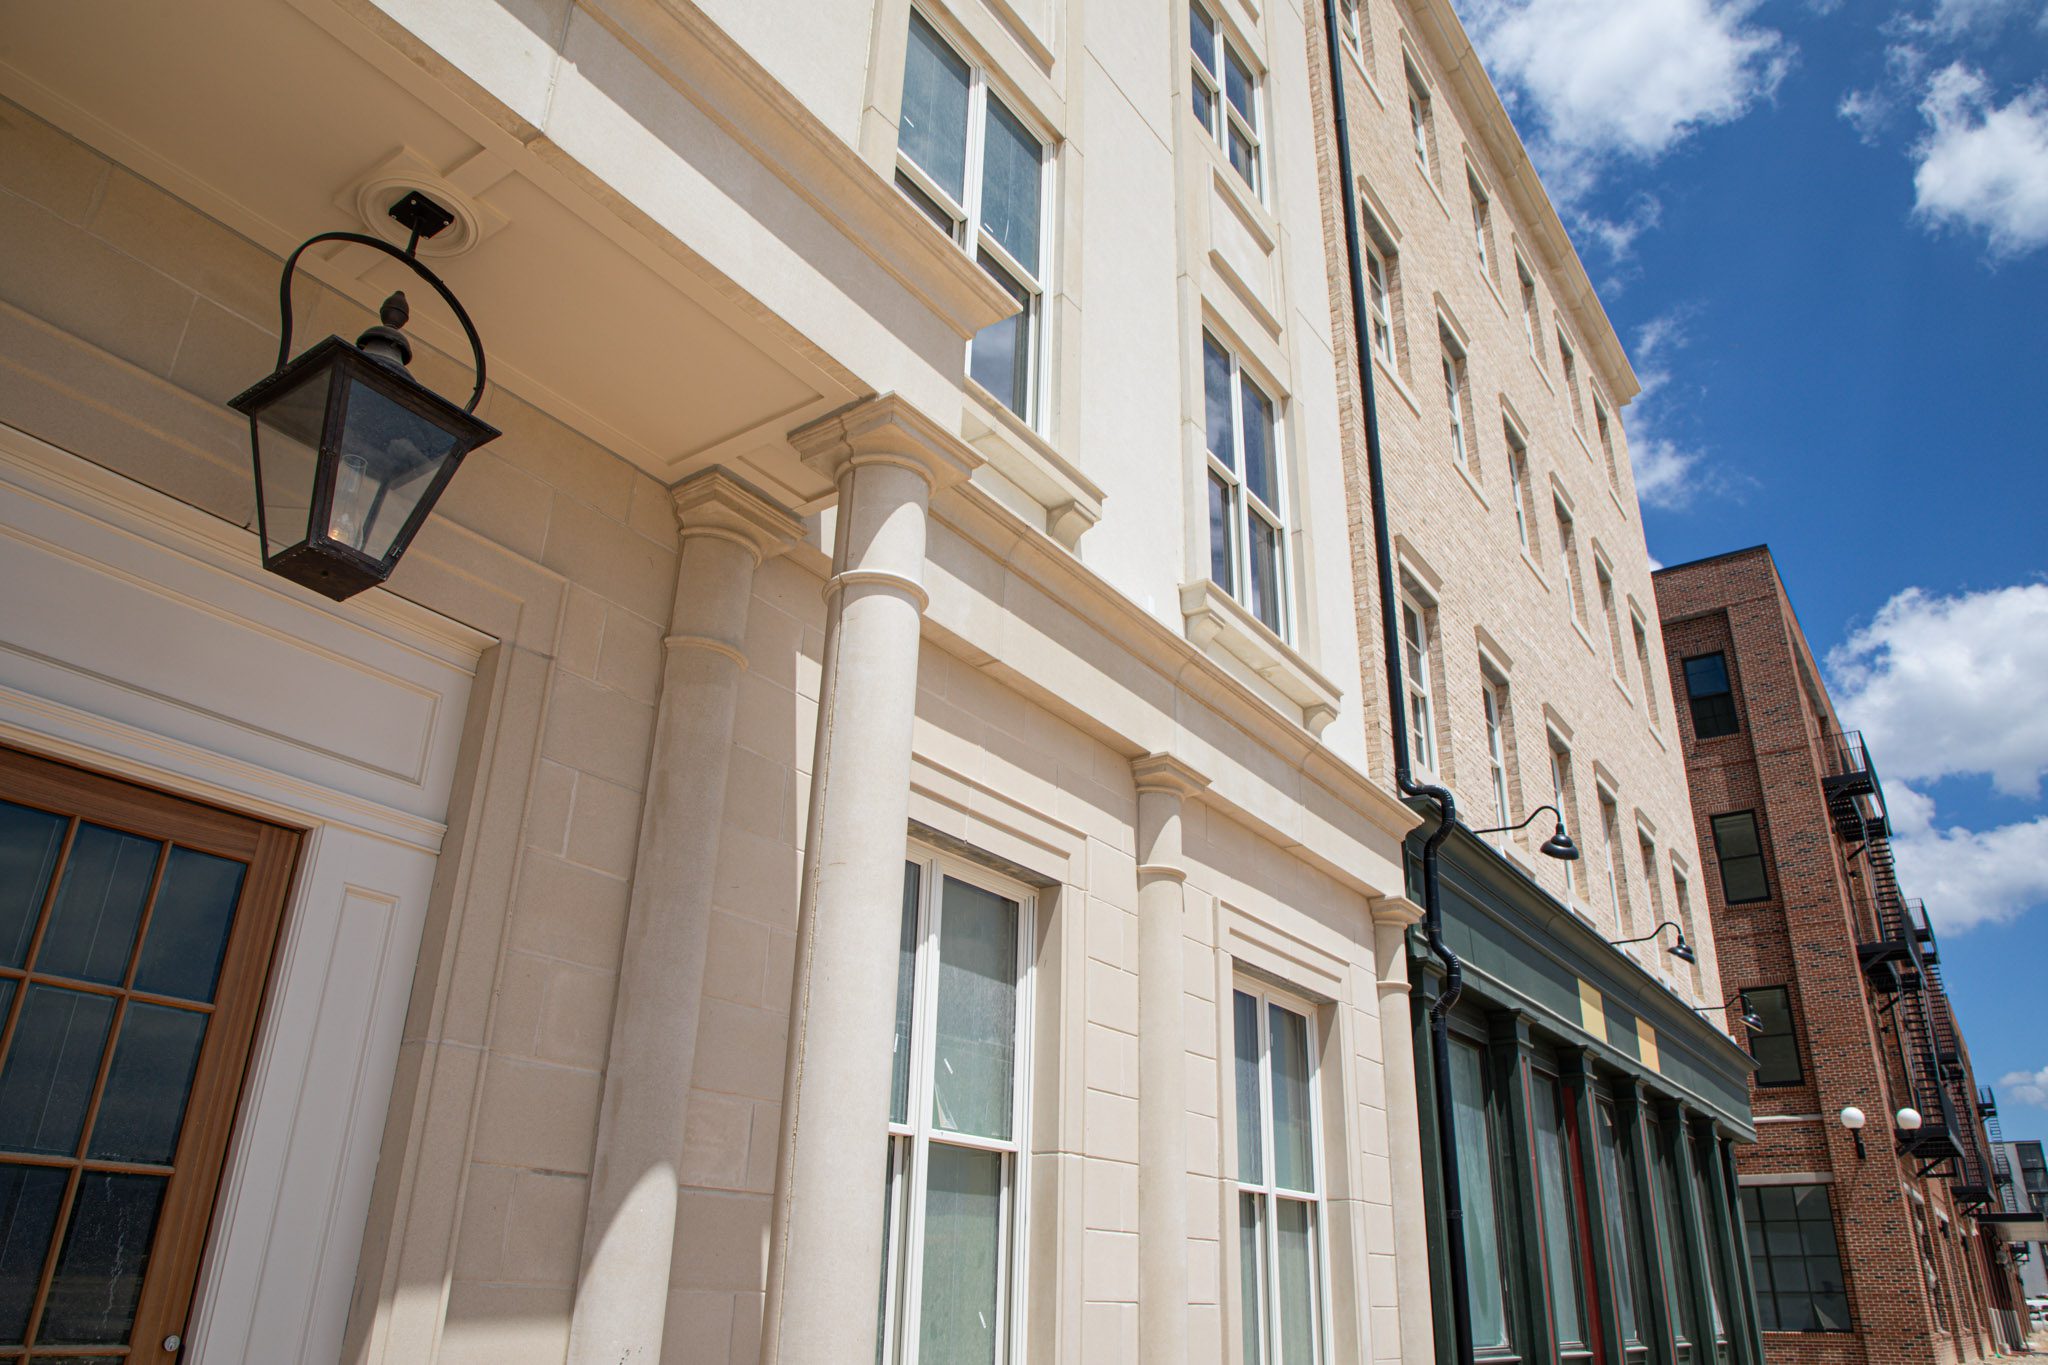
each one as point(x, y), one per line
point(719, 504)
point(885, 429)
point(1159, 772)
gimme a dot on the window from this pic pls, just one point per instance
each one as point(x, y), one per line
point(1716, 1274)
point(1568, 561)
point(136, 933)
point(1518, 483)
point(1569, 359)
point(1622, 1204)
point(1561, 797)
point(1681, 899)
point(1230, 111)
point(1482, 222)
point(1607, 444)
point(1493, 700)
point(1676, 1245)
point(968, 161)
point(952, 1224)
point(1648, 852)
point(1560, 1199)
point(1605, 581)
point(1279, 1181)
point(1774, 1046)
point(1247, 534)
point(1617, 874)
point(1380, 263)
point(1485, 1262)
point(1642, 635)
point(1711, 698)
point(1742, 858)
point(1420, 121)
point(1794, 1258)
point(1528, 283)
point(1415, 647)
point(1454, 398)
point(1351, 25)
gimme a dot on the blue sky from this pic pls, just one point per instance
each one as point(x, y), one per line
point(1821, 229)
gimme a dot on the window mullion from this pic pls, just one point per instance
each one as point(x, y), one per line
point(924, 1014)
point(977, 126)
point(1240, 520)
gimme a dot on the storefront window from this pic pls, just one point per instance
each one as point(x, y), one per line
point(1671, 1239)
point(1558, 1187)
point(1623, 1207)
point(1485, 1269)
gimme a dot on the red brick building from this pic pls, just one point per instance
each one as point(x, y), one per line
point(1872, 1246)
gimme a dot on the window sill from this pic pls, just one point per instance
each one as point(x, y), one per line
point(1620, 503)
point(1071, 500)
point(1214, 618)
point(1621, 686)
point(1465, 473)
point(1429, 179)
point(1585, 637)
point(1535, 568)
point(1580, 437)
point(1486, 278)
point(1356, 52)
point(1400, 386)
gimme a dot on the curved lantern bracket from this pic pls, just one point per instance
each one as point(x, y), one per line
point(291, 263)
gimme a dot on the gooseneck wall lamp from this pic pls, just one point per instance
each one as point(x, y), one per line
point(1751, 1020)
point(350, 451)
point(1559, 845)
point(1680, 950)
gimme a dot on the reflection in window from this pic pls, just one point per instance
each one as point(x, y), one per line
point(1247, 537)
point(1279, 1187)
point(1485, 1265)
point(1795, 1259)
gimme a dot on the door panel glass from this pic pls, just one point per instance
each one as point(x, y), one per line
point(30, 1198)
point(51, 1068)
point(151, 1079)
point(99, 1272)
point(99, 906)
point(188, 929)
point(30, 841)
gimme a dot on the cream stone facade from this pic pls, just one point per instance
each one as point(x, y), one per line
point(577, 1041)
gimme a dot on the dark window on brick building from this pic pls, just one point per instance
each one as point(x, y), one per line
point(1742, 858)
point(1775, 1048)
point(1795, 1258)
point(1713, 703)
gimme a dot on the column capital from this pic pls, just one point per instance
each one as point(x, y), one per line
point(884, 429)
point(1161, 772)
point(1396, 912)
point(717, 503)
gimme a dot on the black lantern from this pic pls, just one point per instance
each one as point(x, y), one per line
point(351, 452)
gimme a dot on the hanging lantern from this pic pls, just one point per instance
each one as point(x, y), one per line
point(350, 451)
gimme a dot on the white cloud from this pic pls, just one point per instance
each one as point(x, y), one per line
point(1631, 80)
point(1983, 166)
point(1953, 686)
point(2028, 1087)
point(1969, 878)
point(1668, 475)
point(1955, 18)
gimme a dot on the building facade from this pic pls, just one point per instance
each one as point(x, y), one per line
point(1590, 1094)
point(2021, 1172)
point(1878, 1242)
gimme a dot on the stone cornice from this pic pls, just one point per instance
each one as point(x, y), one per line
point(716, 503)
point(885, 429)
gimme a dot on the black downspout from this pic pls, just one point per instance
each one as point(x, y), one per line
point(1404, 777)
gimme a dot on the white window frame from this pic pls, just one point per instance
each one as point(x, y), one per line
point(1223, 115)
point(1420, 120)
point(1610, 835)
point(1482, 219)
point(1603, 580)
point(1642, 642)
point(1351, 26)
point(1568, 361)
point(1379, 297)
point(968, 231)
point(1603, 426)
point(1454, 397)
point(1561, 797)
point(1244, 503)
point(1567, 555)
point(1531, 324)
point(1518, 474)
point(1493, 704)
point(910, 1142)
point(1269, 1192)
point(1417, 686)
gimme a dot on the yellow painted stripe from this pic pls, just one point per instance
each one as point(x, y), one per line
point(1646, 1045)
point(1592, 1011)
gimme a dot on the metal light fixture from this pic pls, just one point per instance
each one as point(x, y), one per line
point(1908, 1119)
point(1751, 1020)
point(1852, 1119)
point(1559, 845)
point(1681, 950)
point(351, 452)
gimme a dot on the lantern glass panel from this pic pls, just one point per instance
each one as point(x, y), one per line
point(390, 456)
point(287, 437)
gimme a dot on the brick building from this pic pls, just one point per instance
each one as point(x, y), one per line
point(1878, 1245)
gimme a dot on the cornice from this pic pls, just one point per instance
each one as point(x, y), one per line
point(885, 429)
point(717, 503)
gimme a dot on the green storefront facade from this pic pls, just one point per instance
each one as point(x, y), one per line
point(1595, 1117)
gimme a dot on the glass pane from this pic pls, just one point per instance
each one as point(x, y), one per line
point(906, 989)
point(1560, 1212)
point(99, 1272)
point(390, 457)
point(1000, 359)
point(976, 1038)
point(1012, 177)
point(934, 127)
point(1706, 676)
point(1297, 1236)
point(1258, 443)
point(30, 1197)
point(1216, 402)
point(143, 1108)
point(1482, 1220)
point(30, 841)
point(1202, 35)
point(1205, 105)
point(188, 929)
point(1237, 84)
point(1243, 157)
point(99, 904)
point(1250, 1142)
point(288, 453)
point(51, 1067)
point(1265, 572)
point(930, 207)
point(1293, 1138)
point(963, 1260)
point(1831, 1312)
point(1220, 557)
point(1622, 1253)
point(1735, 835)
point(1677, 1254)
point(1251, 1261)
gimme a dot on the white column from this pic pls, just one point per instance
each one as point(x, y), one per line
point(1391, 918)
point(1164, 784)
point(825, 1239)
point(630, 1229)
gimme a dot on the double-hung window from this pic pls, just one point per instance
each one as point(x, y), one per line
point(1569, 360)
point(976, 169)
point(1518, 483)
point(952, 1224)
point(1711, 698)
point(1379, 298)
point(1776, 1045)
point(1491, 698)
point(1606, 433)
point(1279, 1181)
point(1419, 121)
point(1642, 635)
point(1561, 797)
point(1528, 283)
point(1454, 400)
point(1741, 855)
point(1568, 560)
point(1605, 582)
point(1226, 95)
point(1617, 873)
point(1482, 222)
point(1247, 532)
point(1415, 681)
